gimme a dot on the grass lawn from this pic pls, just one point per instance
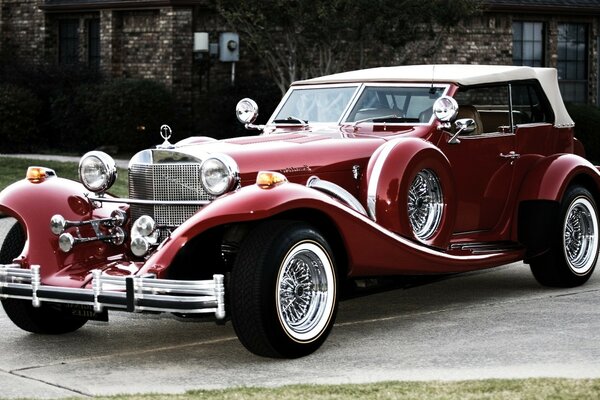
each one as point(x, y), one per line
point(14, 169)
point(467, 390)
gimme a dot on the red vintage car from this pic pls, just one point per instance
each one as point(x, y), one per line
point(389, 171)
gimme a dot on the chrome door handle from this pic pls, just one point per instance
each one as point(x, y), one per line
point(512, 156)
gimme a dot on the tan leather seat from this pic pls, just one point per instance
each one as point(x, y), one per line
point(468, 111)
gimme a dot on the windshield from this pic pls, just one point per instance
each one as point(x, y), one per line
point(315, 105)
point(395, 104)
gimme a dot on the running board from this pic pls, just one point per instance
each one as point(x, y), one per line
point(486, 247)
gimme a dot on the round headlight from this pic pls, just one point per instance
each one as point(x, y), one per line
point(219, 174)
point(97, 171)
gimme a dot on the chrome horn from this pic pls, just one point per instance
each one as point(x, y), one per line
point(66, 241)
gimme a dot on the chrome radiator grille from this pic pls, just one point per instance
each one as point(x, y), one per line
point(163, 182)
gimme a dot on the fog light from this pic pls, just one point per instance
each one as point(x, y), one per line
point(143, 226)
point(66, 241)
point(139, 246)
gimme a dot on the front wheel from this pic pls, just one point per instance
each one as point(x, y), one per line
point(283, 290)
point(46, 319)
point(574, 252)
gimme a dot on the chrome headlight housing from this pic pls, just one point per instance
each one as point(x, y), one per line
point(445, 108)
point(219, 174)
point(97, 171)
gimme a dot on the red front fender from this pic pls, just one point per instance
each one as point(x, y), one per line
point(251, 203)
point(33, 204)
point(371, 249)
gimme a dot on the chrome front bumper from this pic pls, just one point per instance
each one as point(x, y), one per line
point(127, 293)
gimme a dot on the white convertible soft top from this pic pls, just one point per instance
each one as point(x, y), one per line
point(461, 74)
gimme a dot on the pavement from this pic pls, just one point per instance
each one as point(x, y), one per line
point(120, 163)
point(496, 323)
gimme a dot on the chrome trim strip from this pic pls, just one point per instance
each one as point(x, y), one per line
point(338, 192)
point(375, 174)
point(131, 293)
point(150, 202)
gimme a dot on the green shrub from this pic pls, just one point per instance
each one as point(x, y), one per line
point(124, 114)
point(215, 114)
point(587, 123)
point(71, 118)
point(128, 113)
point(19, 111)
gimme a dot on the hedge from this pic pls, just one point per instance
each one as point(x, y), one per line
point(19, 111)
point(587, 128)
point(125, 114)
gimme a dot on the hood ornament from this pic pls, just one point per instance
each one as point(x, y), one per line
point(165, 133)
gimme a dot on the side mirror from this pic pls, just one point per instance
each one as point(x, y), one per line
point(445, 109)
point(246, 112)
point(463, 125)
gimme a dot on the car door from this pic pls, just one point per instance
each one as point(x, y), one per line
point(483, 162)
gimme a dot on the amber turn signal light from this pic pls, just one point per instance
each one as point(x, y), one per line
point(39, 174)
point(269, 179)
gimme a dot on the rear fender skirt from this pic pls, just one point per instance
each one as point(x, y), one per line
point(543, 189)
point(390, 173)
point(538, 221)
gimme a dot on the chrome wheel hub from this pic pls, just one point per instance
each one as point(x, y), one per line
point(425, 204)
point(305, 291)
point(580, 235)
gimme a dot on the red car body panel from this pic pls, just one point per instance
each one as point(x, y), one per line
point(371, 249)
point(33, 204)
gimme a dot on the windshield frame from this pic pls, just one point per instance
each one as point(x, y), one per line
point(364, 86)
point(357, 86)
point(360, 87)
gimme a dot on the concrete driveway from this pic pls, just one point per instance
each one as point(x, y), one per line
point(496, 323)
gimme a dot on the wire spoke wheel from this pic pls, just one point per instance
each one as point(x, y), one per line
point(425, 204)
point(283, 289)
point(571, 257)
point(304, 291)
point(580, 235)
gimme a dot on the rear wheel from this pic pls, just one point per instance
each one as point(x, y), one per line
point(425, 204)
point(574, 252)
point(47, 319)
point(283, 290)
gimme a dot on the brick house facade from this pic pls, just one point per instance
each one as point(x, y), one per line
point(154, 39)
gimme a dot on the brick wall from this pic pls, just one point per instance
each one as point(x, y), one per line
point(156, 43)
point(22, 29)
